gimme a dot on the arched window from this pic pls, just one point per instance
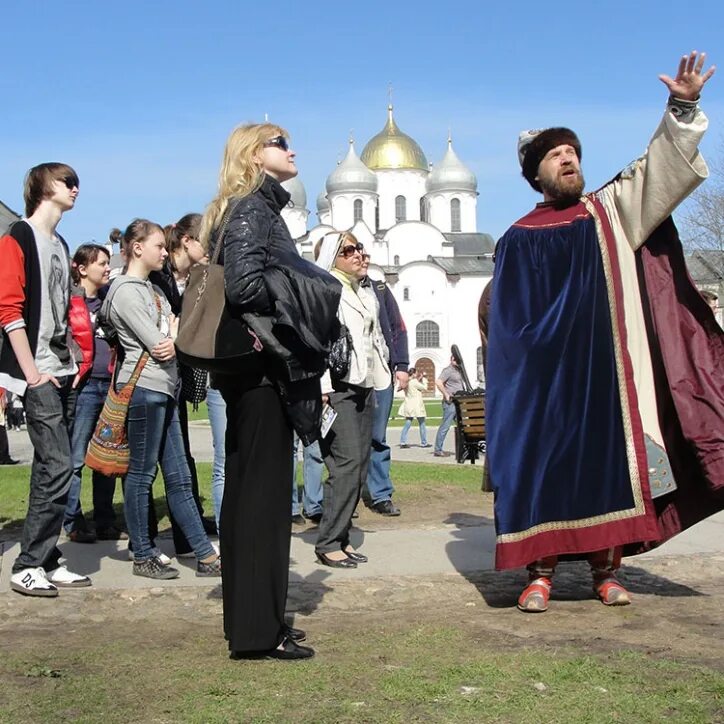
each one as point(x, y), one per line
point(396, 260)
point(400, 209)
point(427, 334)
point(455, 215)
point(406, 294)
point(377, 217)
point(357, 210)
point(423, 210)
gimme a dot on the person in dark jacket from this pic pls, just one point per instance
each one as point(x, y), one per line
point(377, 493)
point(268, 283)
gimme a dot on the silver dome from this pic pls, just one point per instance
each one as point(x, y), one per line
point(322, 202)
point(299, 195)
point(351, 175)
point(451, 174)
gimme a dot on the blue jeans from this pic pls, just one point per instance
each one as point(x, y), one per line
point(379, 484)
point(154, 436)
point(217, 417)
point(49, 414)
point(448, 415)
point(406, 429)
point(313, 468)
point(87, 410)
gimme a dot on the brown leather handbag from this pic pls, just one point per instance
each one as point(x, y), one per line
point(209, 336)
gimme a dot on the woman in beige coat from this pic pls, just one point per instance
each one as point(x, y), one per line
point(413, 406)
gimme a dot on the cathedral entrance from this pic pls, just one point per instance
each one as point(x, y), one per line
point(428, 370)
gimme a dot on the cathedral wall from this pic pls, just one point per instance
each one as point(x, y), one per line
point(391, 183)
point(413, 241)
point(296, 221)
point(440, 214)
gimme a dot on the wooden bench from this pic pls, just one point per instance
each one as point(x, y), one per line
point(470, 431)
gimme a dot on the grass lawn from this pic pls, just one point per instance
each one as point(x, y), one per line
point(421, 673)
point(433, 407)
point(412, 482)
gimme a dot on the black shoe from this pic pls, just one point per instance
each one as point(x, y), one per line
point(9, 461)
point(289, 651)
point(386, 507)
point(355, 514)
point(295, 634)
point(325, 560)
point(404, 445)
point(209, 526)
point(153, 568)
point(314, 517)
point(357, 557)
point(82, 535)
point(111, 533)
point(298, 519)
point(209, 570)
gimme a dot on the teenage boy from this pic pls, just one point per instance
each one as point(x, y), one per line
point(36, 362)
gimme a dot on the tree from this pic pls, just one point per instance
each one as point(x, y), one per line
point(703, 217)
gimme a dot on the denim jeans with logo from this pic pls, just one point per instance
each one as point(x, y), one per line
point(87, 410)
point(154, 436)
point(448, 415)
point(49, 418)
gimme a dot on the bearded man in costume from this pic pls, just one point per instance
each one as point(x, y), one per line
point(605, 389)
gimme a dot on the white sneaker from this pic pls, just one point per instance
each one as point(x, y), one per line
point(165, 560)
point(63, 578)
point(191, 554)
point(32, 582)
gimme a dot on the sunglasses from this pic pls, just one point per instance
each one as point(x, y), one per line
point(71, 182)
point(278, 141)
point(348, 251)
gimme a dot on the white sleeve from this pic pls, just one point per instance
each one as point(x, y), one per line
point(653, 186)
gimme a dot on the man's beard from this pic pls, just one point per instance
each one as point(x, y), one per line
point(563, 189)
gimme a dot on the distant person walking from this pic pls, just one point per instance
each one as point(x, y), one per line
point(413, 408)
point(449, 382)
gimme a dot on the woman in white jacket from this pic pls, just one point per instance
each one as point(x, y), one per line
point(346, 447)
point(413, 406)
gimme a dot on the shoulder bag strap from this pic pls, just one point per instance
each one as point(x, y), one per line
point(222, 230)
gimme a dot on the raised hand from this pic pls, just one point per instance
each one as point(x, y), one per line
point(689, 79)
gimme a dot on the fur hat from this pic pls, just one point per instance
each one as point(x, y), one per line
point(534, 145)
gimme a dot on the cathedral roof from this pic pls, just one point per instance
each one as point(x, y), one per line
point(296, 189)
point(451, 174)
point(391, 148)
point(322, 201)
point(470, 244)
point(351, 175)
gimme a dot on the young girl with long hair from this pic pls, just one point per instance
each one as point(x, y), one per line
point(142, 317)
point(90, 270)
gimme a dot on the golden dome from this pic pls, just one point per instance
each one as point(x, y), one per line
point(391, 148)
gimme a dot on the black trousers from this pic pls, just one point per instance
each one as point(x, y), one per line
point(255, 518)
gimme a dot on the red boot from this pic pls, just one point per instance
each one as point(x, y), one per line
point(534, 598)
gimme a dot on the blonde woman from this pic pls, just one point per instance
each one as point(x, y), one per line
point(255, 521)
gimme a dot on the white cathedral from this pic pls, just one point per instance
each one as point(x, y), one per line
point(418, 222)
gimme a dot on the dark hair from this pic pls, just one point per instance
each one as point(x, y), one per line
point(411, 371)
point(189, 225)
point(84, 255)
point(137, 231)
point(38, 180)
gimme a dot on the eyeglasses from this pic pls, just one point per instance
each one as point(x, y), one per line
point(350, 250)
point(278, 141)
point(71, 182)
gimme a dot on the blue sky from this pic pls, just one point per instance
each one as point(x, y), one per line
point(139, 97)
